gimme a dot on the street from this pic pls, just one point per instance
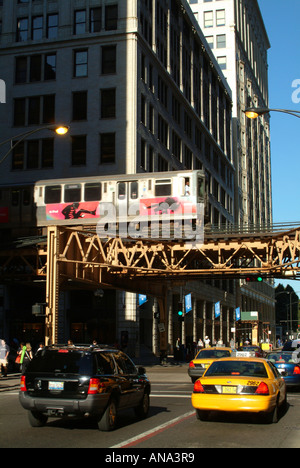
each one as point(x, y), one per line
point(171, 423)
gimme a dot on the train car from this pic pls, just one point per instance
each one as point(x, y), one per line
point(17, 209)
point(119, 199)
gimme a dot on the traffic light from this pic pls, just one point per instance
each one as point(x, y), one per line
point(180, 312)
point(254, 279)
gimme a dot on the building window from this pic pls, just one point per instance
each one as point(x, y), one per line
point(50, 67)
point(107, 148)
point(22, 29)
point(208, 19)
point(80, 63)
point(37, 28)
point(35, 73)
point(111, 17)
point(220, 17)
point(108, 103)
point(80, 105)
point(21, 70)
point(79, 22)
point(221, 41)
point(52, 26)
point(95, 19)
point(78, 150)
point(109, 60)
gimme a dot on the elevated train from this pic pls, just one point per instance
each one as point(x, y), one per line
point(84, 201)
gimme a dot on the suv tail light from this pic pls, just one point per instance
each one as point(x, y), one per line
point(23, 384)
point(94, 387)
point(198, 387)
point(262, 389)
point(296, 370)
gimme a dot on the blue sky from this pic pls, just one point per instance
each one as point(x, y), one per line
point(281, 19)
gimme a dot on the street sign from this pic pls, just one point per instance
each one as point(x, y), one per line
point(217, 309)
point(188, 303)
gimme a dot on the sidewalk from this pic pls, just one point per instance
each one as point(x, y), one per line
point(10, 383)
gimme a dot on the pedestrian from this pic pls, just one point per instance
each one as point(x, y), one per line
point(41, 346)
point(26, 356)
point(4, 352)
point(207, 342)
point(200, 345)
point(177, 349)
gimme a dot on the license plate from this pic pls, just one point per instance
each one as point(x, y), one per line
point(231, 390)
point(243, 354)
point(59, 386)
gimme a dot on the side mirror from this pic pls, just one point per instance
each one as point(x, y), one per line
point(141, 370)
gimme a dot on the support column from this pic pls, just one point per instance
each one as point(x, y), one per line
point(52, 287)
point(195, 338)
point(204, 321)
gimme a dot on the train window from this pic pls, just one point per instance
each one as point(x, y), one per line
point(26, 197)
point(92, 192)
point(15, 197)
point(163, 187)
point(52, 194)
point(134, 190)
point(121, 190)
point(72, 193)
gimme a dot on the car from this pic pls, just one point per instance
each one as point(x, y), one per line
point(203, 360)
point(240, 385)
point(291, 345)
point(83, 381)
point(249, 351)
point(288, 365)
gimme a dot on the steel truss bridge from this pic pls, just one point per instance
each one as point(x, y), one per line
point(68, 258)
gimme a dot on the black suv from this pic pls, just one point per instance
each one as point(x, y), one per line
point(83, 381)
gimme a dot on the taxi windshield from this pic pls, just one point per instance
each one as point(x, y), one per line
point(237, 368)
point(212, 353)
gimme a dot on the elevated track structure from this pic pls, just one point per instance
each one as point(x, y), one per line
point(68, 258)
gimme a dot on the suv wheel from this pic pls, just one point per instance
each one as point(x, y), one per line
point(143, 409)
point(109, 418)
point(37, 419)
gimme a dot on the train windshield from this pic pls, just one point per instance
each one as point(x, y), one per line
point(201, 187)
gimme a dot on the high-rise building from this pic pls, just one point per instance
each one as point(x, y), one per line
point(236, 33)
point(142, 92)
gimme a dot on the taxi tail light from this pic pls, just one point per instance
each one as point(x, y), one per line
point(296, 370)
point(191, 364)
point(262, 389)
point(198, 387)
point(94, 387)
point(23, 387)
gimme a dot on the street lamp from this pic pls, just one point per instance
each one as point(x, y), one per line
point(254, 112)
point(17, 139)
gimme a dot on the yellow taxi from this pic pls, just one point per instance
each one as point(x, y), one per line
point(203, 360)
point(240, 385)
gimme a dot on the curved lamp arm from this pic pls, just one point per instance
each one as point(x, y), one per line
point(254, 112)
point(60, 130)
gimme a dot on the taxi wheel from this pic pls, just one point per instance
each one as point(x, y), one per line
point(273, 417)
point(202, 415)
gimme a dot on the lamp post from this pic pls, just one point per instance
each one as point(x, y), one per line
point(255, 112)
point(17, 139)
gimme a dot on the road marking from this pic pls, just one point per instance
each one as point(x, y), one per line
point(156, 430)
point(169, 396)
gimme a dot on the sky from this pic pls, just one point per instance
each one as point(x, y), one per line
point(281, 18)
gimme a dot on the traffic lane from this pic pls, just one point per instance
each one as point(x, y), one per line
point(17, 433)
point(226, 431)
